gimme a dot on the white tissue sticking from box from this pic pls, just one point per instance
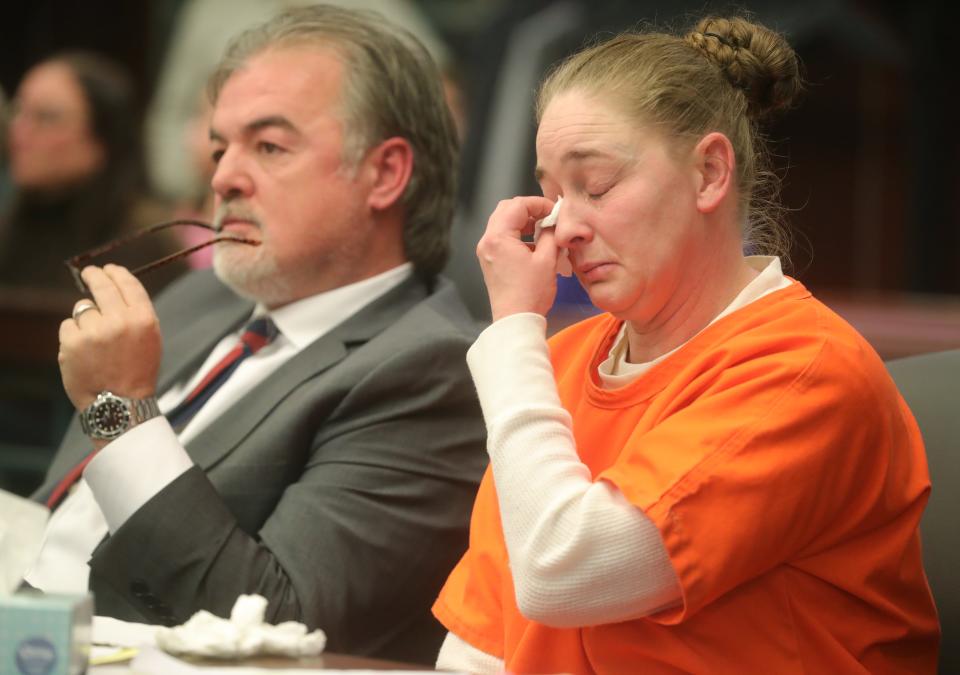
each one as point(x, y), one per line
point(564, 267)
point(22, 524)
point(244, 634)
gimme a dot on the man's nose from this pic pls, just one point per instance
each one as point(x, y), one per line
point(230, 178)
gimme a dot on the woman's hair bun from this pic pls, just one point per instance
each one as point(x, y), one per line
point(754, 58)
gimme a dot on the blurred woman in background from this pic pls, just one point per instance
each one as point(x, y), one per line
point(4, 177)
point(76, 168)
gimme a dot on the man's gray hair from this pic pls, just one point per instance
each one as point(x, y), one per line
point(391, 87)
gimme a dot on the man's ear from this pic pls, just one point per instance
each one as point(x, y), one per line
point(716, 165)
point(390, 165)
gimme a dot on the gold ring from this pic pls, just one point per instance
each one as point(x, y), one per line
point(83, 306)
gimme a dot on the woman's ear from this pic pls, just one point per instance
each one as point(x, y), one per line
point(716, 165)
point(390, 165)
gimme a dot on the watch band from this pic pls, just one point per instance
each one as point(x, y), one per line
point(143, 409)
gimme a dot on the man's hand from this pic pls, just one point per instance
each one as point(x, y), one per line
point(115, 346)
point(518, 279)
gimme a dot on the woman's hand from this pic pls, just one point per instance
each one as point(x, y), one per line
point(518, 278)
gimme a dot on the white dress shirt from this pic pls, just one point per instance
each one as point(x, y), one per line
point(133, 468)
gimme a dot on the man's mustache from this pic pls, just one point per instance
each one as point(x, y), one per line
point(234, 211)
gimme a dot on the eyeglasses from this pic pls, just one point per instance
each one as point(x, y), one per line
point(78, 262)
point(43, 117)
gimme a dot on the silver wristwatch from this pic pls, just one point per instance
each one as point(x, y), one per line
point(110, 415)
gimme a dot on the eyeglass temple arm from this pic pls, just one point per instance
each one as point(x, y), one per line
point(187, 251)
point(78, 260)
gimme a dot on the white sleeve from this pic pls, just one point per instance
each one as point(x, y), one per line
point(133, 468)
point(456, 654)
point(580, 553)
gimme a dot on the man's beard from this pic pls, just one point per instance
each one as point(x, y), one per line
point(251, 273)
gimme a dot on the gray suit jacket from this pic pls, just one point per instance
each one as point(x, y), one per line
point(340, 488)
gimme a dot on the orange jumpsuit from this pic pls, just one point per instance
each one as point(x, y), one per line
point(787, 478)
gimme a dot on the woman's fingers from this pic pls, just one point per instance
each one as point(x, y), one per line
point(517, 216)
point(519, 275)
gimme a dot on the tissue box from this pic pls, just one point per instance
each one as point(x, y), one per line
point(45, 634)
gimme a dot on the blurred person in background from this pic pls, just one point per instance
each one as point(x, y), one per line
point(75, 180)
point(76, 169)
point(4, 177)
point(198, 203)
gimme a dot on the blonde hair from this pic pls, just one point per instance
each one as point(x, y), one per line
point(726, 75)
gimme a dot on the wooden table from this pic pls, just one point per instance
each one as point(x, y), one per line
point(332, 661)
point(322, 662)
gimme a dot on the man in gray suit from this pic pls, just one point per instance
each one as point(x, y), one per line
point(329, 460)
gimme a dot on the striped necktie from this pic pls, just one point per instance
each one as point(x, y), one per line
point(258, 334)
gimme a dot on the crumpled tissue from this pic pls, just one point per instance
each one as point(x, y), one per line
point(22, 524)
point(243, 634)
point(564, 266)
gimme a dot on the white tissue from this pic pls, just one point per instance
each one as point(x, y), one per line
point(22, 524)
point(564, 267)
point(244, 634)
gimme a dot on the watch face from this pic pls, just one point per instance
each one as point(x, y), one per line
point(110, 418)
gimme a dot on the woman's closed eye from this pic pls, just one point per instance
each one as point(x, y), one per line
point(595, 192)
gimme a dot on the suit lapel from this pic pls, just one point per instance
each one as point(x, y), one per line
point(185, 350)
point(224, 434)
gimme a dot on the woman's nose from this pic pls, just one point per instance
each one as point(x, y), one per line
point(571, 229)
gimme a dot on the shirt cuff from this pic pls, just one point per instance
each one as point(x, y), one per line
point(457, 654)
point(131, 469)
point(511, 368)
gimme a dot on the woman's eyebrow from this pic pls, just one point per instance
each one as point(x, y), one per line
point(577, 155)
